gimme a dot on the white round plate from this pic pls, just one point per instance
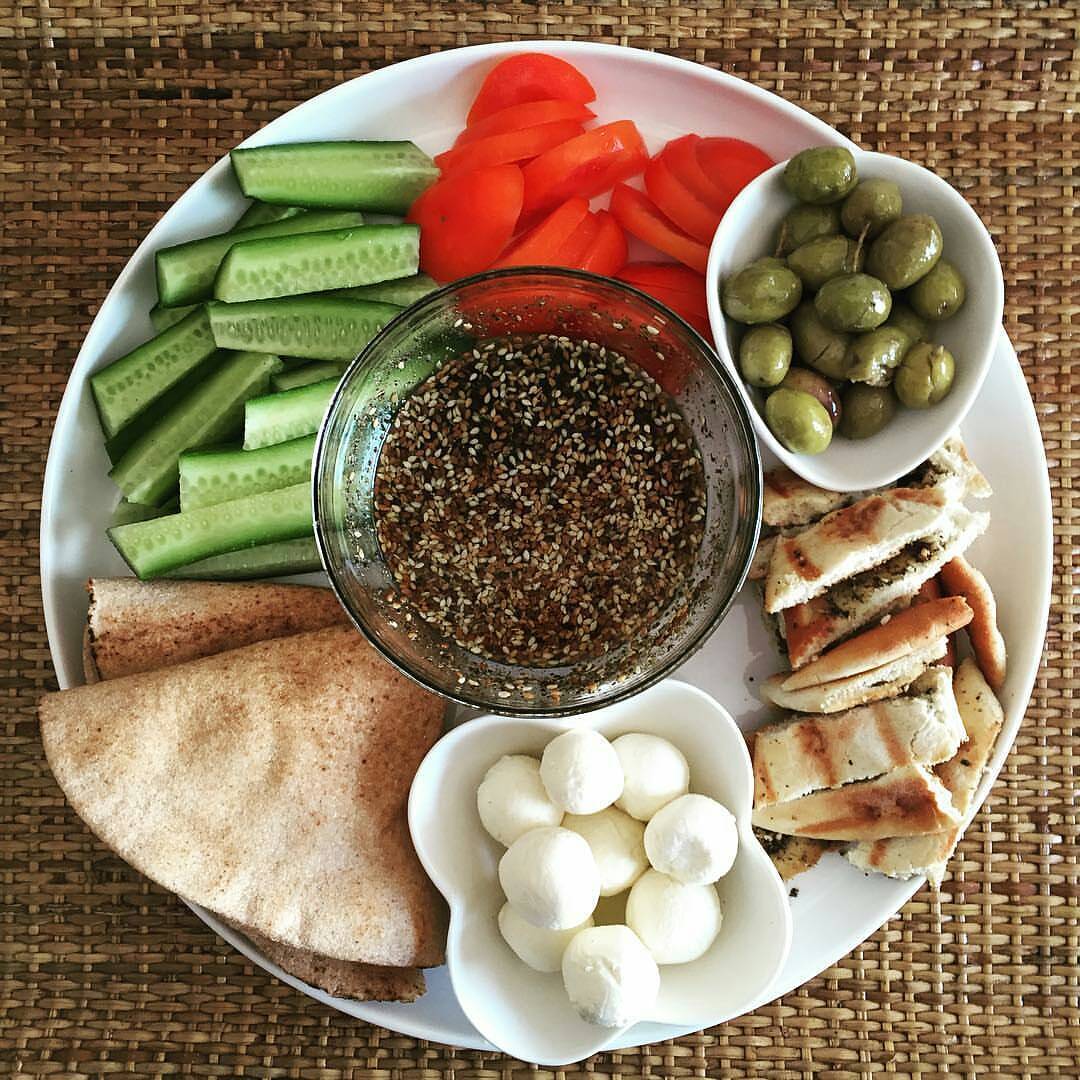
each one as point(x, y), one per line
point(426, 100)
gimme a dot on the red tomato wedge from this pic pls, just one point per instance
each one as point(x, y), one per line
point(580, 243)
point(679, 203)
point(542, 245)
point(585, 166)
point(681, 157)
point(526, 115)
point(467, 219)
point(636, 213)
point(608, 252)
point(508, 147)
point(732, 163)
point(530, 76)
point(681, 289)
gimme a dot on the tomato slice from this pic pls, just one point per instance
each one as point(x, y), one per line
point(679, 203)
point(636, 213)
point(681, 289)
point(608, 252)
point(466, 220)
point(509, 146)
point(526, 115)
point(581, 240)
point(542, 245)
point(531, 76)
point(732, 163)
point(681, 157)
point(585, 166)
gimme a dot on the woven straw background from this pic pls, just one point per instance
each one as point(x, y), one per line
point(108, 110)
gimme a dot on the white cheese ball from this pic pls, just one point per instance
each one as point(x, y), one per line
point(581, 771)
point(512, 800)
point(541, 949)
point(655, 772)
point(610, 977)
point(618, 846)
point(693, 839)
point(676, 922)
point(550, 877)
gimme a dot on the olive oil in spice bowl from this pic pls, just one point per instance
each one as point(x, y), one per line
point(885, 296)
point(537, 491)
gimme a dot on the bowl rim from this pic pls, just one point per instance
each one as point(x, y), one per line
point(816, 469)
point(741, 416)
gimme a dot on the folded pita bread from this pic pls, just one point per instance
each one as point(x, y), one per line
point(960, 578)
point(138, 626)
point(905, 857)
point(268, 784)
point(850, 541)
point(794, 758)
point(951, 471)
point(905, 802)
point(791, 855)
point(787, 499)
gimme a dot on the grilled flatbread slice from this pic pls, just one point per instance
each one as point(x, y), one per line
point(850, 541)
point(905, 857)
point(951, 471)
point(796, 757)
point(268, 784)
point(811, 628)
point(905, 802)
point(787, 499)
point(138, 626)
point(887, 681)
point(962, 579)
point(791, 855)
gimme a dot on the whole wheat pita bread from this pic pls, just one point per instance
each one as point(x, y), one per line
point(135, 626)
point(268, 784)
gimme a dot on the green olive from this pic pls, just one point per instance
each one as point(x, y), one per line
point(799, 421)
point(925, 376)
point(867, 409)
point(938, 294)
point(825, 258)
point(907, 322)
point(853, 302)
point(765, 354)
point(762, 292)
point(871, 206)
point(874, 356)
point(804, 223)
point(818, 346)
point(810, 382)
point(905, 251)
point(822, 175)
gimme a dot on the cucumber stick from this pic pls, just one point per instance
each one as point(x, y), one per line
point(316, 262)
point(212, 411)
point(213, 476)
point(277, 418)
point(260, 213)
point(403, 291)
point(152, 548)
point(316, 327)
point(267, 560)
point(383, 177)
point(309, 373)
point(185, 272)
point(128, 385)
point(161, 318)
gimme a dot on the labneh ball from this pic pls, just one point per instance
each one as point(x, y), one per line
point(676, 922)
point(610, 977)
point(512, 800)
point(693, 839)
point(550, 877)
point(541, 949)
point(655, 772)
point(581, 771)
point(618, 845)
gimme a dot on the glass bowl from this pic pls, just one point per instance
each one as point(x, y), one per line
point(534, 300)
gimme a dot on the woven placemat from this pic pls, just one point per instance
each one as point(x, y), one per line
point(109, 110)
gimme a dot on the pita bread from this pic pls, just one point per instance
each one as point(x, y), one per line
point(951, 471)
point(138, 626)
point(268, 784)
point(960, 578)
point(794, 758)
point(791, 855)
point(905, 802)
point(787, 499)
point(850, 541)
point(905, 857)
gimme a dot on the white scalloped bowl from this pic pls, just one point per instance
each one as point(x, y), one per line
point(748, 231)
point(525, 1013)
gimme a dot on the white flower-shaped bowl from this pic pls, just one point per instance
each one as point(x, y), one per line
point(748, 231)
point(525, 1013)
